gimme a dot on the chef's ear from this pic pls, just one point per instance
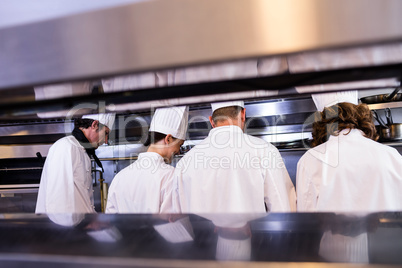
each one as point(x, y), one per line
point(243, 114)
point(168, 139)
point(212, 122)
point(95, 124)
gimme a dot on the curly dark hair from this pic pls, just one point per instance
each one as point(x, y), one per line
point(342, 116)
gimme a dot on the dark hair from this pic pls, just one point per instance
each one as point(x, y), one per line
point(85, 123)
point(342, 116)
point(154, 137)
point(225, 113)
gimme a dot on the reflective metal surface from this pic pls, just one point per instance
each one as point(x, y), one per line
point(269, 117)
point(36, 128)
point(397, 104)
point(23, 151)
point(140, 240)
point(154, 35)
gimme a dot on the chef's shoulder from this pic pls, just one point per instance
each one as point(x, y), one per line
point(385, 149)
point(203, 148)
point(67, 144)
point(258, 143)
point(317, 153)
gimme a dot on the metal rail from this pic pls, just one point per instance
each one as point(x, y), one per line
point(16, 186)
point(21, 169)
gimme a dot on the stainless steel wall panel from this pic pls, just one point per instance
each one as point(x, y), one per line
point(156, 35)
point(23, 151)
point(280, 107)
point(265, 108)
point(36, 129)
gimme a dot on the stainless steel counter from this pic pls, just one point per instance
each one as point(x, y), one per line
point(138, 240)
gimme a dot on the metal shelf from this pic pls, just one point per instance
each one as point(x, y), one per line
point(392, 143)
point(15, 186)
point(379, 106)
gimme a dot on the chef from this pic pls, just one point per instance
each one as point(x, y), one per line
point(66, 182)
point(231, 172)
point(347, 171)
point(145, 185)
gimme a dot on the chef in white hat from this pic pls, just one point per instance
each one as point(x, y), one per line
point(145, 185)
point(347, 170)
point(66, 181)
point(232, 172)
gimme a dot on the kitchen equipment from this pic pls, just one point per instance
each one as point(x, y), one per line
point(301, 143)
point(379, 120)
point(392, 133)
point(389, 132)
point(388, 116)
point(394, 96)
point(382, 130)
point(395, 130)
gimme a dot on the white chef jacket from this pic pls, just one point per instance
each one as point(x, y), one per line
point(142, 187)
point(342, 248)
point(349, 173)
point(66, 182)
point(232, 172)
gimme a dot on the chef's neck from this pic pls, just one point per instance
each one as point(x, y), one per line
point(229, 122)
point(154, 148)
point(239, 121)
point(166, 147)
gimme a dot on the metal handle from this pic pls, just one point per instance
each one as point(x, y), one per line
point(388, 116)
point(379, 120)
point(393, 94)
point(39, 155)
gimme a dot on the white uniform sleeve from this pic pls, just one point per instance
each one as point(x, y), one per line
point(58, 174)
point(280, 195)
point(176, 179)
point(166, 197)
point(307, 197)
point(111, 204)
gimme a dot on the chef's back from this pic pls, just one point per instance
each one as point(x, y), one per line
point(347, 170)
point(232, 172)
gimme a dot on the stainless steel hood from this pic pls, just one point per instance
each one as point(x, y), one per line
point(159, 35)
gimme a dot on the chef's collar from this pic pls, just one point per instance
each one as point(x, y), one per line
point(345, 132)
point(79, 135)
point(232, 128)
point(152, 155)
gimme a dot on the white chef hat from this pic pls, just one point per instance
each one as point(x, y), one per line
point(218, 105)
point(172, 120)
point(105, 119)
point(233, 250)
point(323, 100)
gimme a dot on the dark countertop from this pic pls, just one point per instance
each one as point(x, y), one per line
point(140, 240)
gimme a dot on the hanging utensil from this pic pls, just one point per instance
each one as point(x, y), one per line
point(395, 130)
point(388, 116)
point(390, 132)
point(379, 120)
